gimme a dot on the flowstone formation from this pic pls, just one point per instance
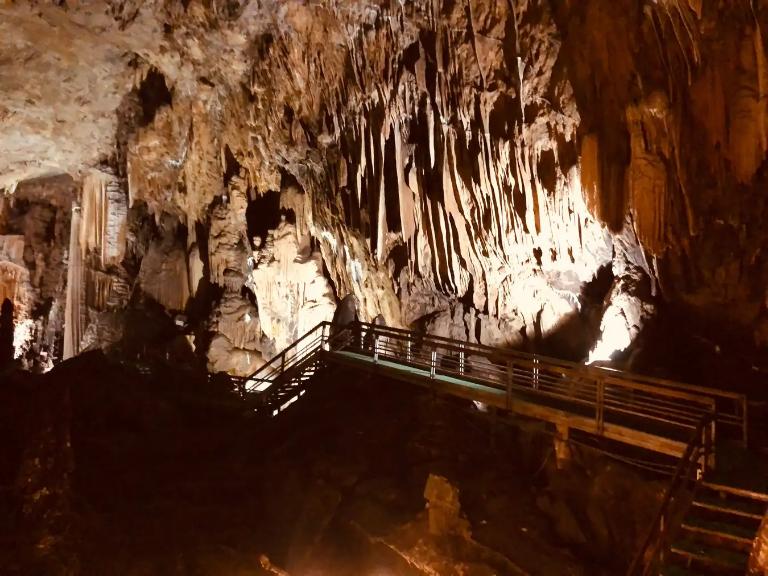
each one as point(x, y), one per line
point(288, 283)
point(511, 173)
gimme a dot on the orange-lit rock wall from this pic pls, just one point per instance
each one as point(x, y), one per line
point(468, 167)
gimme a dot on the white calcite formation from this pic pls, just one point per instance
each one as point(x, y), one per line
point(463, 167)
point(97, 285)
point(236, 344)
point(292, 293)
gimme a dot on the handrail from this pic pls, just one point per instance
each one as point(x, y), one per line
point(654, 541)
point(731, 406)
point(609, 394)
point(606, 372)
point(603, 391)
point(285, 351)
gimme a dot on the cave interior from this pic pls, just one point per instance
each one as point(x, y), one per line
point(383, 287)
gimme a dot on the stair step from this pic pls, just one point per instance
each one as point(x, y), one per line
point(738, 492)
point(722, 533)
point(704, 556)
point(676, 570)
point(752, 510)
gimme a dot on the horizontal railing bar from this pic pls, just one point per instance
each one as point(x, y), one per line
point(466, 347)
point(582, 371)
point(566, 384)
point(284, 352)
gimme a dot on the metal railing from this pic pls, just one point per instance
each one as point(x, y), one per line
point(602, 394)
point(289, 368)
point(605, 395)
point(691, 468)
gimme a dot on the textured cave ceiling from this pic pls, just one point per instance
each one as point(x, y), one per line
point(471, 166)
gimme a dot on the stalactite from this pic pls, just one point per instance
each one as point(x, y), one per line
point(748, 135)
point(12, 278)
point(72, 314)
point(104, 215)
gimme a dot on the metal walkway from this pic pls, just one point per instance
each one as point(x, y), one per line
point(653, 414)
point(665, 417)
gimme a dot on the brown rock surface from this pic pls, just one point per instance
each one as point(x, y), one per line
point(465, 167)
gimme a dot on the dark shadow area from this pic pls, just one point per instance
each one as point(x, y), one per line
point(6, 334)
point(169, 472)
point(150, 336)
point(391, 187)
point(678, 345)
point(153, 95)
point(231, 166)
point(263, 214)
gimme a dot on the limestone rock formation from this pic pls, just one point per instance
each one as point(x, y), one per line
point(292, 294)
point(236, 345)
point(34, 224)
point(444, 508)
point(469, 168)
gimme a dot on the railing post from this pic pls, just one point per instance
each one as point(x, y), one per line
point(745, 421)
point(461, 360)
point(709, 445)
point(433, 366)
point(600, 405)
point(535, 373)
point(376, 348)
point(408, 351)
point(662, 538)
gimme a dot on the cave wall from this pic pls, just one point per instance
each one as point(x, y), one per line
point(34, 232)
point(466, 167)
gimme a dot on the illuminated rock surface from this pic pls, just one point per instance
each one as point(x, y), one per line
point(467, 168)
point(581, 178)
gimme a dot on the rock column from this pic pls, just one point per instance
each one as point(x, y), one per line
point(72, 327)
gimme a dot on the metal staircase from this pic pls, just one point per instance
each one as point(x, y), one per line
point(284, 379)
point(717, 532)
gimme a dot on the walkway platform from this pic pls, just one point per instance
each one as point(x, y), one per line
point(644, 433)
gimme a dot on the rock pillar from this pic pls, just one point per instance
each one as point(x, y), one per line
point(72, 327)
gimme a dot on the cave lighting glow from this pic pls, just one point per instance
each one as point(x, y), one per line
point(23, 333)
point(615, 336)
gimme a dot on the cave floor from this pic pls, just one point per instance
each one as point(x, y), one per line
point(168, 476)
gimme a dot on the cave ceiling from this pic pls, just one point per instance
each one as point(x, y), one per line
point(471, 165)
